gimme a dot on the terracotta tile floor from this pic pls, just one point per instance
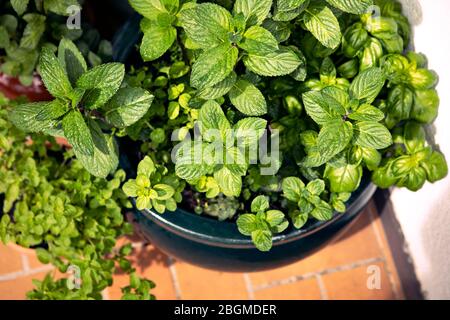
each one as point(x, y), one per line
point(346, 269)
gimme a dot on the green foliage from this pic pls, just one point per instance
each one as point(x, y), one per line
point(72, 219)
point(85, 102)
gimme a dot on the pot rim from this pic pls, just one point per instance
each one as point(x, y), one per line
point(206, 228)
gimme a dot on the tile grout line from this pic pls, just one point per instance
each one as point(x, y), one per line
point(310, 275)
point(383, 249)
point(249, 286)
point(17, 274)
point(173, 275)
point(25, 263)
point(322, 288)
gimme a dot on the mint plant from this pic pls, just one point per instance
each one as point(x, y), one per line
point(262, 223)
point(85, 101)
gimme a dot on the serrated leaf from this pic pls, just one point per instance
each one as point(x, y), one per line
point(24, 117)
point(53, 111)
point(322, 212)
point(156, 41)
point(262, 240)
point(60, 6)
point(280, 30)
point(248, 99)
point(292, 188)
point(321, 107)
point(279, 63)
point(323, 24)
point(53, 74)
point(254, 11)
point(19, 6)
point(366, 112)
point(248, 131)
point(367, 85)
point(370, 134)
point(156, 10)
point(352, 6)
point(246, 224)
point(288, 5)
point(206, 24)
point(33, 31)
point(218, 90)
point(101, 83)
point(127, 106)
point(105, 157)
point(212, 117)
point(230, 183)
point(333, 138)
point(259, 41)
point(260, 204)
point(72, 60)
point(213, 66)
point(77, 133)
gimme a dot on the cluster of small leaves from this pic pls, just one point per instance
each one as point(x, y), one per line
point(49, 202)
point(86, 103)
point(154, 187)
point(331, 76)
point(28, 26)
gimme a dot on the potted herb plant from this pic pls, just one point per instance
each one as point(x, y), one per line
point(333, 81)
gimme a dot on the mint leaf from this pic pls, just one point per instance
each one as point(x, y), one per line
point(279, 63)
point(24, 117)
point(260, 204)
point(262, 239)
point(71, 60)
point(246, 224)
point(366, 112)
point(333, 138)
point(248, 99)
point(105, 158)
point(206, 24)
point(370, 134)
point(292, 188)
point(59, 6)
point(77, 133)
point(352, 6)
point(367, 85)
point(19, 6)
point(54, 110)
point(323, 24)
point(249, 131)
point(218, 90)
point(230, 183)
point(101, 83)
point(322, 108)
point(213, 66)
point(212, 117)
point(259, 41)
point(156, 10)
point(33, 31)
point(157, 40)
point(289, 5)
point(254, 11)
point(322, 212)
point(127, 106)
point(53, 74)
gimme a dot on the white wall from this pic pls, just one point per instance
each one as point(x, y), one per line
point(425, 215)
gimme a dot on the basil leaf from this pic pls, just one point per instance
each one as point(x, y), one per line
point(259, 41)
point(425, 107)
point(127, 106)
point(77, 133)
point(435, 167)
point(101, 83)
point(344, 179)
point(254, 11)
point(206, 24)
point(53, 75)
point(248, 99)
point(370, 134)
point(323, 24)
point(213, 66)
point(367, 85)
point(279, 63)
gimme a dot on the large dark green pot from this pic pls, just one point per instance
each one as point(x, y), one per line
point(209, 243)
